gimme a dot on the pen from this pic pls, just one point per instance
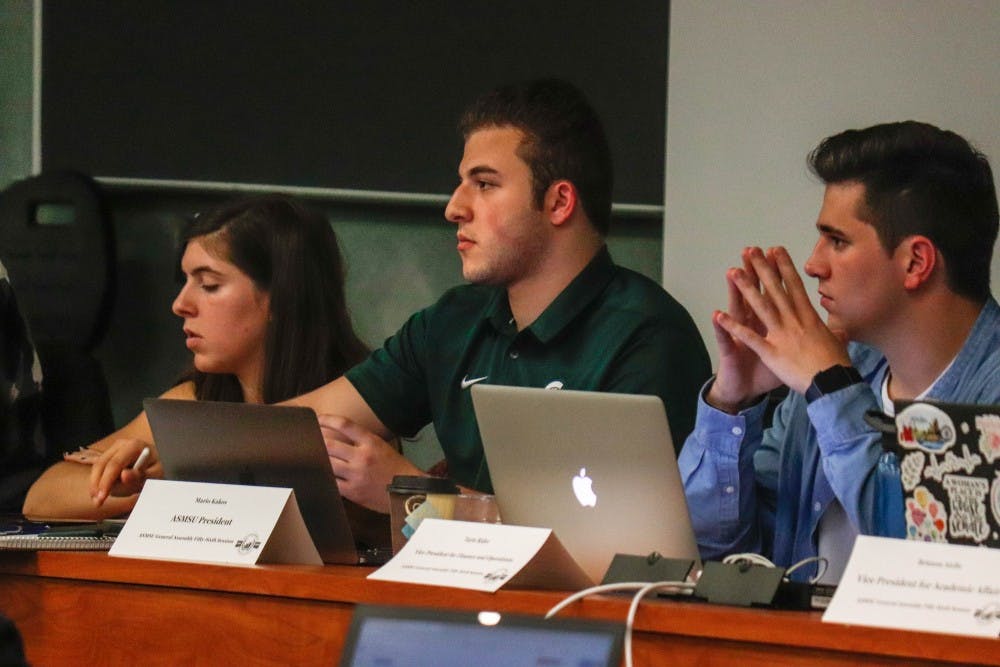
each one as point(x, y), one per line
point(141, 461)
point(96, 529)
point(74, 531)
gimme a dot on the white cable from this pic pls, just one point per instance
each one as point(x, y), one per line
point(757, 559)
point(636, 599)
point(753, 558)
point(823, 563)
point(604, 588)
point(643, 588)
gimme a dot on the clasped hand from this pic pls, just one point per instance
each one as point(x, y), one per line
point(771, 334)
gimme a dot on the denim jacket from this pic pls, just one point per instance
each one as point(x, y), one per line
point(750, 489)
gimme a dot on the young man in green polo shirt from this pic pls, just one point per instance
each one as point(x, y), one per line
point(546, 306)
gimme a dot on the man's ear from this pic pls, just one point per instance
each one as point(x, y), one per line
point(920, 257)
point(560, 201)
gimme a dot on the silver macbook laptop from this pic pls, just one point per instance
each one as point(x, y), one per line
point(384, 636)
point(261, 445)
point(597, 468)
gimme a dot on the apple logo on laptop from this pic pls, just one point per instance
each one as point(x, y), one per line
point(582, 489)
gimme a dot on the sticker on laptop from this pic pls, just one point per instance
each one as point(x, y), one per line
point(989, 436)
point(995, 500)
point(923, 426)
point(967, 500)
point(926, 517)
point(911, 469)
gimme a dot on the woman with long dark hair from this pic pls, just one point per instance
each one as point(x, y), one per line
point(265, 318)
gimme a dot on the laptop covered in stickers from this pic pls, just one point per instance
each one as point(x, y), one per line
point(949, 461)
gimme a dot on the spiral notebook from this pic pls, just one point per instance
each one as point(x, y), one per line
point(26, 535)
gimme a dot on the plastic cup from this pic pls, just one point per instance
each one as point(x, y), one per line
point(476, 507)
point(407, 497)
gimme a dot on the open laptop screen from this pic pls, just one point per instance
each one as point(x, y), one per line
point(597, 468)
point(260, 445)
point(414, 637)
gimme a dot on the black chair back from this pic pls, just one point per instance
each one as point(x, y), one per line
point(57, 243)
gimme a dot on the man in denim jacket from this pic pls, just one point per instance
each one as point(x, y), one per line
point(906, 235)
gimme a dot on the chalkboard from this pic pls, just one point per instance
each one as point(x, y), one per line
point(356, 95)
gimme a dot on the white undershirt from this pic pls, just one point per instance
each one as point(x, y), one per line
point(836, 534)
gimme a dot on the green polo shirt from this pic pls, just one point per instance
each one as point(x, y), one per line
point(611, 329)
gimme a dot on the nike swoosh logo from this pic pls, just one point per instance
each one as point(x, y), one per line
point(466, 382)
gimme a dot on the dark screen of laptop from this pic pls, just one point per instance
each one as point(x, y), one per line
point(389, 642)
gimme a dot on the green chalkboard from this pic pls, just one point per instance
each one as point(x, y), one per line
point(356, 95)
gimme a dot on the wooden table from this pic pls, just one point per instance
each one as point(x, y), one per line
point(80, 608)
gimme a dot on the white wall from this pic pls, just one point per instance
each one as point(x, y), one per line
point(755, 85)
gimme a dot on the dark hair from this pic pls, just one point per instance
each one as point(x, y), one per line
point(291, 252)
point(920, 179)
point(563, 139)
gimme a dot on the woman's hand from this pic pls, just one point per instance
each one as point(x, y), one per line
point(114, 473)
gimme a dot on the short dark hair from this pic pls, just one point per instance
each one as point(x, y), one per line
point(563, 139)
point(920, 179)
point(291, 252)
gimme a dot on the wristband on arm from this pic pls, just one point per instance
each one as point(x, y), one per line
point(832, 379)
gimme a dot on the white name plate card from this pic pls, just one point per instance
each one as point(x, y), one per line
point(927, 586)
point(483, 557)
point(216, 523)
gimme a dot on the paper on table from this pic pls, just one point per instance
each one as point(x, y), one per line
point(216, 523)
point(484, 557)
point(911, 585)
